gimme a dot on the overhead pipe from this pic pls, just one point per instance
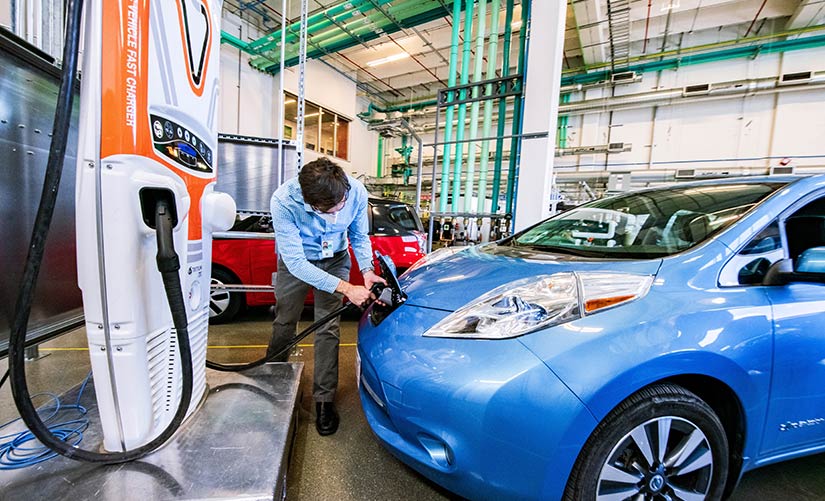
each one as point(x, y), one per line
point(492, 55)
point(462, 108)
point(579, 82)
point(474, 109)
point(448, 128)
point(419, 15)
point(515, 142)
point(345, 10)
point(502, 108)
point(332, 38)
point(694, 93)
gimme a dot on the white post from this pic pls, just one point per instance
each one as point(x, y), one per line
point(541, 108)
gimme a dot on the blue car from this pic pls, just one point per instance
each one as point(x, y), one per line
point(653, 345)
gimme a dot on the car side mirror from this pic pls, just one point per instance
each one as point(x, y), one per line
point(809, 267)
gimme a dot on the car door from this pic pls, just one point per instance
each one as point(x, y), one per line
point(796, 411)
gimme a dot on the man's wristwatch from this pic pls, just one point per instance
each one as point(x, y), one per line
point(365, 270)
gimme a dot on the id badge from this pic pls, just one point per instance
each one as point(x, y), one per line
point(326, 249)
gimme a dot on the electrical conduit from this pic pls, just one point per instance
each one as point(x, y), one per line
point(502, 108)
point(448, 127)
point(462, 108)
point(492, 54)
point(477, 73)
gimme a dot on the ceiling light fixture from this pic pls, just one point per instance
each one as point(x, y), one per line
point(516, 25)
point(388, 59)
point(289, 101)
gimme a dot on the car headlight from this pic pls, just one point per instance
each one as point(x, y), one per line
point(534, 303)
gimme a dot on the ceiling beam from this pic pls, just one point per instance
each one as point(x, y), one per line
point(808, 13)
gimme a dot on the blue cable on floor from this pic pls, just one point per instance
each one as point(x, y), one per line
point(15, 450)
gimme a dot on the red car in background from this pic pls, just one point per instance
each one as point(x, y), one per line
point(246, 254)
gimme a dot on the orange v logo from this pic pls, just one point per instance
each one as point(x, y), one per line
point(196, 35)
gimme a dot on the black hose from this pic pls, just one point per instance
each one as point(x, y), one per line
point(45, 211)
point(301, 335)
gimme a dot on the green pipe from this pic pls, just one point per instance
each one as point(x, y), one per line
point(502, 108)
point(492, 54)
point(750, 51)
point(462, 108)
point(471, 146)
point(707, 57)
point(380, 155)
point(233, 41)
point(315, 22)
point(448, 127)
point(561, 134)
point(327, 33)
point(515, 142)
point(332, 40)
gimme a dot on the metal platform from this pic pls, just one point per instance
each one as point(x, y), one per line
point(237, 446)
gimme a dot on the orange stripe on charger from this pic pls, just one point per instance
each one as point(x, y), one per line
point(125, 75)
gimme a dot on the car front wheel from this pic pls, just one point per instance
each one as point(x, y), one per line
point(223, 305)
point(662, 443)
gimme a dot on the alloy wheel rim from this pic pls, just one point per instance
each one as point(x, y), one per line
point(664, 459)
point(218, 300)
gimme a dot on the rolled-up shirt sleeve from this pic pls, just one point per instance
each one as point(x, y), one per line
point(358, 232)
point(291, 249)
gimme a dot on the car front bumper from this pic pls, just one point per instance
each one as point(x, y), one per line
point(483, 418)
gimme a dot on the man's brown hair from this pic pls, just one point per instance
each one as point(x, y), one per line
point(323, 184)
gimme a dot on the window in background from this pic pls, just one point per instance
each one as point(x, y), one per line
point(327, 133)
point(342, 138)
point(290, 116)
point(324, 131)
point(312, 116)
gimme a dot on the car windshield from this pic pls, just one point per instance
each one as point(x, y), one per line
point(652, 223)
point(394, 220)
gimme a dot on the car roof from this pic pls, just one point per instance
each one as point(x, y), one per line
point(385, 201)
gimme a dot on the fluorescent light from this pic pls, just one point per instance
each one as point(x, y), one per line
point(311, 115)
point(289, 101)
point(388, 59)
point(516, 25)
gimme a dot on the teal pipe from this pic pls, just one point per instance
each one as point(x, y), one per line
point(492, 55)
point(363, 28)
point(315, 22)
point(462, 108)
point(435, 11)
point(474, 108)
point(448, 127)
point(234, 41)
point(707, 57)
point(515, 142)
point(380, 156)
point(502, 108)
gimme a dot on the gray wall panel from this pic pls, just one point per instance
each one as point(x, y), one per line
point(28, 97)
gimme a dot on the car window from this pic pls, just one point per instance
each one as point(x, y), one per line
point(394, 220)
point(652, 223)
point(805, 228)
point(751, 264)
point(253, 224)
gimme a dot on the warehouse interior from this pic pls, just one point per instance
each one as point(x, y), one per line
point(470, 120)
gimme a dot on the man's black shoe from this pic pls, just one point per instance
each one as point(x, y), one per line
point(326, 419)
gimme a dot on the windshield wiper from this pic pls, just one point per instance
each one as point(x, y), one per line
point(560, 249)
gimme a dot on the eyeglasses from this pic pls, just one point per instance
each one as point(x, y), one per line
point(335, 208)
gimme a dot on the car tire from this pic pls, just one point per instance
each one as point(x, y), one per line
point(623, 458)
point(223, 306)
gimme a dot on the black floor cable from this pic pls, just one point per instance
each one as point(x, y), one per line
point(291, 344)
point(167, 261)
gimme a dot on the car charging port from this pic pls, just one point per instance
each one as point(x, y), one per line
point(390, 296)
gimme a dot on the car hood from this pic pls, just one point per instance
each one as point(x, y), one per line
point(453, 282)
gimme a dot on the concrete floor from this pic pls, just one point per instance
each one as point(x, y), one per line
point(351, 464)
